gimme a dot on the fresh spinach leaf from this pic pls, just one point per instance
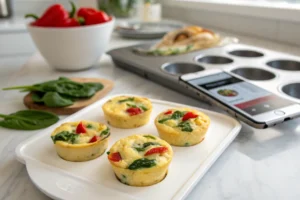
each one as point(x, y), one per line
point(185, 126)
point(53, 99)
point(63, 86)
point(28, 120)
point(125, 100)
point(65, 136)
point(73, 89)
point(142, 163)
point(37, 97)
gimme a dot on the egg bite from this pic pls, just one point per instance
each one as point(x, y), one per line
point(127, 111)
point(182, 126)
point(81, 140)
point(140, 160)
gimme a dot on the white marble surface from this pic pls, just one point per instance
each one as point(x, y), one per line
point(259, 164)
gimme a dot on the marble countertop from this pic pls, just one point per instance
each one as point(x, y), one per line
point(259, 164)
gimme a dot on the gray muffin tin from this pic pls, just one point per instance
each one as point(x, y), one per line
point(274, 71)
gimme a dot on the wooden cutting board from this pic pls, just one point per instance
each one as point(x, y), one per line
point(78, 105)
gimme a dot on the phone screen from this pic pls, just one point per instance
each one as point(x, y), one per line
point(239, 94)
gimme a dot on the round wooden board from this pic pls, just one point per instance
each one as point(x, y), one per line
point(78, 105)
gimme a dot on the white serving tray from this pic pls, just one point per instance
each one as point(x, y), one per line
point(60, 179)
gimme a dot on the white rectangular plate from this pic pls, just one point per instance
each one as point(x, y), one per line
point(95, 179)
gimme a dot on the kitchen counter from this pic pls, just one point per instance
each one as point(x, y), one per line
point(259, 164)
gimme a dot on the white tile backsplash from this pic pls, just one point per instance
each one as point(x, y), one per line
point(289, 32)
point(22, 7)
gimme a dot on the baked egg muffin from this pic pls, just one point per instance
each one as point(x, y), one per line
point(182, 126)
point(80, 141)
point(140, 160)
point(127, 111)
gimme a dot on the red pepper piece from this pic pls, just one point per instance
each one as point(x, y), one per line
point(93, 16)
point(94, 139)
point(134, 111)
point(168, 112)
point(156, 150)
point(189, 115)
point(115, 157)
point(53, 16)
point(80, 128)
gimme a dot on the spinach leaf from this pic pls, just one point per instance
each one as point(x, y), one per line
point(143, 108)
point(53, 99)
point(89, 126)
point(63, 86)
point(142, 163)
point(65, 136)
point(28, 120)
point(185, 126)
point(105, 132)
point(149, 136)
point(125, 100)
point(135, 106)
point(131, 105)
point(64, 79)
point(73, 89)
point(163, 120)
point(176, 115)
point(37, 97)
point(145, 145)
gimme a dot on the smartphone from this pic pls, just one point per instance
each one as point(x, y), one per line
point(249, 103)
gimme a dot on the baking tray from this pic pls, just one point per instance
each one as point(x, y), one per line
point(60, 179)
point(271, 70)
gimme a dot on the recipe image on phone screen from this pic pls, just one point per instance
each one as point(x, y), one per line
point(239, 94)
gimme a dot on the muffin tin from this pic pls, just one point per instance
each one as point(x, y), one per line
point(273, 71)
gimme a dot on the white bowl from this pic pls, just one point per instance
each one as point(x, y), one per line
point(73, 48)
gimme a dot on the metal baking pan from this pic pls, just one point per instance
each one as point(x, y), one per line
point(273, 71)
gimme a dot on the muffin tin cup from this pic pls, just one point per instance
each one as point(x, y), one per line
point(288, 65)
point(213, 59)
point(291, 90)
point(254, 74)
point(181, 68)
point(246, 53)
